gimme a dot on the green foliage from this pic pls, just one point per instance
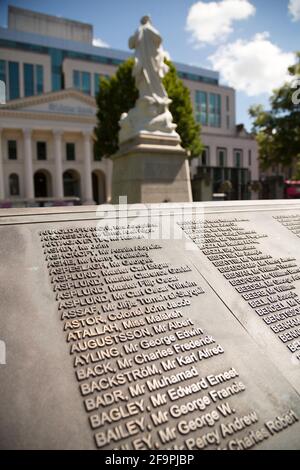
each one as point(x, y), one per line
point(278, 129)
point(118, 95)
point(182, 112)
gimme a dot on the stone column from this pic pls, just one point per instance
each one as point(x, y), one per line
point(87, 169)
point(28, 173)
point(2, 192)
point(58, 173)
point(213, 154)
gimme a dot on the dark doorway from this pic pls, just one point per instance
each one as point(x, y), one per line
point(95, 188)
point(71, 184)
point(98, 181)
point(40, 184)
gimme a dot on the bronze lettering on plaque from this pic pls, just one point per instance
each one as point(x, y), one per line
point(291, 222)
point(266, 283)
point(117, 338)
point(149, 377)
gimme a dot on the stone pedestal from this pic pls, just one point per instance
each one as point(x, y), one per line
point(151, 168)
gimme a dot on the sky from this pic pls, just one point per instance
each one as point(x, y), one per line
point(249, 42)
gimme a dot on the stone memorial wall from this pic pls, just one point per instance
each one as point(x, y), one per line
point(122, 335)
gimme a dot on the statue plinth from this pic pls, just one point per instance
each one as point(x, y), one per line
point(151, 167)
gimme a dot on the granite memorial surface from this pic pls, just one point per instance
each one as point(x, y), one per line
point(163, 327)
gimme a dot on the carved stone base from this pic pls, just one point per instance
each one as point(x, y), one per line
point(148, 116)
point(151, 168)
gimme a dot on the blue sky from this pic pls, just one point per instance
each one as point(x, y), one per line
point(250, 42)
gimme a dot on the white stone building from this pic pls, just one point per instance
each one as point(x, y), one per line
point(51, 70)
point(46, 149)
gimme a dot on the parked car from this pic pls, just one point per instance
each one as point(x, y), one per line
point(292, 189)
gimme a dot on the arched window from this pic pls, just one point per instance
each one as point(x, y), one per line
point(14, 187)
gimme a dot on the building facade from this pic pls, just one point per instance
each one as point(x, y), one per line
point(51, 72)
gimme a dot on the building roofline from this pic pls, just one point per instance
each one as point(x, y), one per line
point(84, 48)
point(60, 43)
point(60, 19)
point(194, 69)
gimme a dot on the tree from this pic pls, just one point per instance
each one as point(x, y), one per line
point(182, 112)
point(278, 129)
point(118, 94)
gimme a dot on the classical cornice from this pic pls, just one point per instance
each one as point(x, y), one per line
point(44, 116)
point(228, 136)
point(48, 98)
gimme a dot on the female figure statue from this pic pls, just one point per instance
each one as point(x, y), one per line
point(151, 112)
point(149, 68)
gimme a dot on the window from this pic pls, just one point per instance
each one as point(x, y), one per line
point(28, 80)
point(14, 83)
point(227, 104)
point(57, 57)
point(3, 71)
point(96, 83)
point(14, 188)
point(97, 77)
point(70, 151)
point(12, 149)
point(208, 108)
point(82, 81)
point(205, 157)
point(9, 74)
point(238, 158)
point(2, 92)
point(201, 107)
point(33, 79)
point(41, 150)
point(214, 119)
point(39, 79)
point(86, 83)
point(222, 157)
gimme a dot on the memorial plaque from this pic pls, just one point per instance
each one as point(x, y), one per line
point(164, 327)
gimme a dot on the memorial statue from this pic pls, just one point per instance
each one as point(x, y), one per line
point(149, 68)
point(151, 112)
